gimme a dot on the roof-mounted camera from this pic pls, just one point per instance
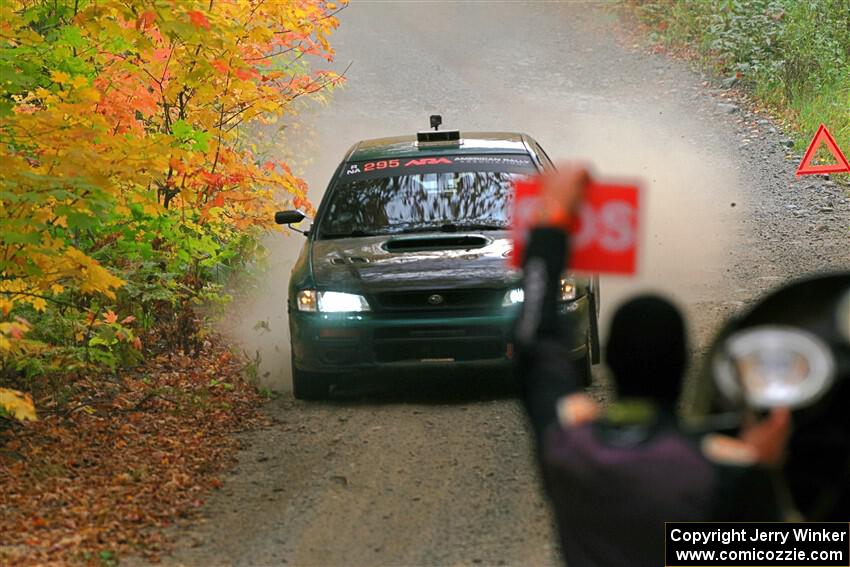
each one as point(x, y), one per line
point(437, 137)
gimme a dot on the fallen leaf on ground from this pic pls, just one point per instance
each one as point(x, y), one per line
point(97, 477)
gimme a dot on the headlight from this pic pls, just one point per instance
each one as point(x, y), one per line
point(513, 297)
point(331, 302)
point(566, 292)
point(338, 302)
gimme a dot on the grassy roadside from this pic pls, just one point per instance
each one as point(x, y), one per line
point(793, 55)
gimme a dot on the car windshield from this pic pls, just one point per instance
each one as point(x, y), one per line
point(420, 202)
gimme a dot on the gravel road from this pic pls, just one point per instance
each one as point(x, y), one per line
point(440, 473)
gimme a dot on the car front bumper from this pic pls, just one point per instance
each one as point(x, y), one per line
point(356, 343)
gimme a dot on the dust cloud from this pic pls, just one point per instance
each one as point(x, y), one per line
point(257, 320)
point(407, 62)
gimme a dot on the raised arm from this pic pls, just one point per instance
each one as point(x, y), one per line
point(544, 367)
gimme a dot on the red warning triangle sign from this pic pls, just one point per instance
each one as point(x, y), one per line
point(823, 137)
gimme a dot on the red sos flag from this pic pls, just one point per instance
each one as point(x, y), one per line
point(605, 236)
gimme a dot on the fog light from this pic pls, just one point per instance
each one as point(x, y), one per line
point(568, 289)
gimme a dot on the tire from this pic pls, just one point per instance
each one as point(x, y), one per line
point(594, 327)
point(584, 367)
point(309, 385)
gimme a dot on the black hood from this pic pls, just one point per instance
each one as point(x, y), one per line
point(410, 262)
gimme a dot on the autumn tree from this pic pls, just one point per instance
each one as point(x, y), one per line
point(129, 185)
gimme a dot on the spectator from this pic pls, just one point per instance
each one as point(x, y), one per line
point(615, 475)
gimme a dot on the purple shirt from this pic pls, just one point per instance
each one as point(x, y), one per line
point(612, 501)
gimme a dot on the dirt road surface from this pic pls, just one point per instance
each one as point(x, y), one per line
point(441, 473)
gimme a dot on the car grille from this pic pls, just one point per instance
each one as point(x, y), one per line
point(462, 343)
point(440, 300)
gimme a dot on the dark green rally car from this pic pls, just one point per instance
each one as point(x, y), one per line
point(405, 264)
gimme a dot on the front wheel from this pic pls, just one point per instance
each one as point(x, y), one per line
point(584, 367)
point(309, 385)
point(583, 371)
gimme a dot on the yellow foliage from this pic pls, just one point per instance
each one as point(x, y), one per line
point(17, 405)
point(121, 109)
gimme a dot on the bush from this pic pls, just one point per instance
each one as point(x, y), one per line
point(794, 54)
point(129, 191)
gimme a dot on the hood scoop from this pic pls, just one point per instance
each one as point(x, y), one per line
point(418, 243)
point(349, 260)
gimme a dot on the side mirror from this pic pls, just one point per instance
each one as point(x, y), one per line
point(289, 217)
point(773, 365)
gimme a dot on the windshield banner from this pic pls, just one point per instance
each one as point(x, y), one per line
point(507, 163)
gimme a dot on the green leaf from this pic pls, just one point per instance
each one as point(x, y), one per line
point(21, 238)
point(71, 35)
point(181, 130)
point(80, 220)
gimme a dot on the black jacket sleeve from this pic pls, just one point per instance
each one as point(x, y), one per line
point(544, 368)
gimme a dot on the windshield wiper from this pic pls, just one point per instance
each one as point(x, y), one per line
point(456, 227)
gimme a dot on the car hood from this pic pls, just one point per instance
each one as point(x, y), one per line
point(411, 262)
